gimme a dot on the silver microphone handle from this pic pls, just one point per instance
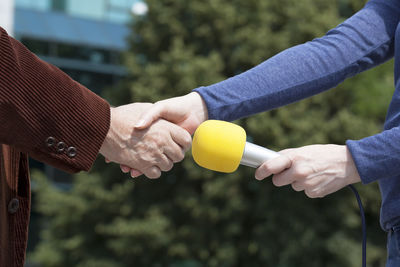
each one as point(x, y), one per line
point(254, 155)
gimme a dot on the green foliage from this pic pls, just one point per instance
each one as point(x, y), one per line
point(195, 217)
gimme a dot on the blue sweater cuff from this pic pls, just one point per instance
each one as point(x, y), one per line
point(212, 115)
point(362, 162)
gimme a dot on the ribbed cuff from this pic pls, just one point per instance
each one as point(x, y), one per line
point(362, 163)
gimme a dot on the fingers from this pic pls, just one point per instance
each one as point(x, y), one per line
point(167, 109)
point(302, 185)
point(124, 168)
point(152, 172)
point(296, 173)
point(311, 187)
point(165, 164)
point(273, 166)
point(135, 173)
point(174, 152)
point(187, 111)
point(180, 142)
point(297, 186)
point(158, 148)
point(318, 170)
point(154, 149)
point(149, 117)
point(181, 137)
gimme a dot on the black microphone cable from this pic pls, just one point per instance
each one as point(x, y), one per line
point(364, 227)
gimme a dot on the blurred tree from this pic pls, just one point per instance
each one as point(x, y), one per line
point(195, 217)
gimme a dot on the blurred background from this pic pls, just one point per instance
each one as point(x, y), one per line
point(130, 51)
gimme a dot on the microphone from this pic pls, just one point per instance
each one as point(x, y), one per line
point(221, 146)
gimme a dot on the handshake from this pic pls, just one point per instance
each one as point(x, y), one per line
point(149, 138)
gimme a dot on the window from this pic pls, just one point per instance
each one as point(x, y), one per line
point(59, 5)
point(93, 55)
point(34, 4)
point(94, 81)
point(92, 9)
point(37, 46)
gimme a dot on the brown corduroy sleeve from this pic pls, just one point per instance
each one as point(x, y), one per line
point(47, 114)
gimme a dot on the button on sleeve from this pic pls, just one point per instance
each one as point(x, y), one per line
point(13, 206)
point(60, 147)
point(71, 152)
point(50, 141)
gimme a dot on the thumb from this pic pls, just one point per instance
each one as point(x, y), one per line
point(169, 110)
point(273, 166)
point(149, 117)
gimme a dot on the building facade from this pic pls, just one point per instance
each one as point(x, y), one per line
point(84, 38)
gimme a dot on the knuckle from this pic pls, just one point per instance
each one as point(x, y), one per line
point(301, 172)
point(159, 140)
point(156, 154)
point(276, 181)
point(170, 166)
point(296, 187)
point(295, 156)
point(265, 167)
point(146, 148)
point(308, 183)
point(157, 108)
point(155, 176)
point(153, 173)
point(319, 193)
point(264, 170)
point(309, 194)
point(187, 143)
point(167, 166)
point(179, 156)
point(312, 193)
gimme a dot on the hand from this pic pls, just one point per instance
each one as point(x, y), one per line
point(149, 151)
point(319, 170)
point(187, 111)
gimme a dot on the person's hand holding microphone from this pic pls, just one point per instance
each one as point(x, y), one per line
point(318, 169)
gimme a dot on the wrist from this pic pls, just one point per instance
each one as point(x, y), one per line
point(351, 169)
point(199, 106)
point(105, 147)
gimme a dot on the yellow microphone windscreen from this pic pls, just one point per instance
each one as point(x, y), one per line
point(218, 145)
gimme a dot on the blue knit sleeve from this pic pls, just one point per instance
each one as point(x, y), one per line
point(361, 42)
point(378, 156)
